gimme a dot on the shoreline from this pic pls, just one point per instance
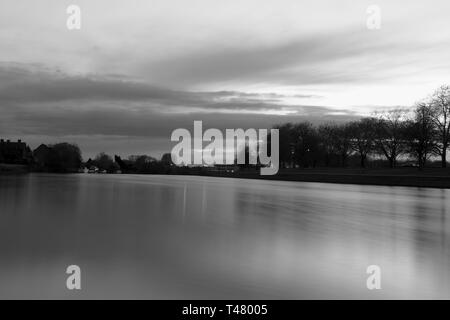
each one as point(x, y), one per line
point(13, 168)
point(398, 177)
point(378, 177)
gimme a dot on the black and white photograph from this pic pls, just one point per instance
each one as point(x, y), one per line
point(212, 150)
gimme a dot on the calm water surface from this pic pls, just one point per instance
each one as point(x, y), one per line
point(201, 237)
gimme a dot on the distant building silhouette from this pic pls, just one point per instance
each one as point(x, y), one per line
point(15, 152)
point(42, 155)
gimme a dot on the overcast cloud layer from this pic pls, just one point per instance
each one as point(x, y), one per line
point(139, 69)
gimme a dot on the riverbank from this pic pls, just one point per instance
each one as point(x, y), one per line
point(407, 177)
point(13, 168)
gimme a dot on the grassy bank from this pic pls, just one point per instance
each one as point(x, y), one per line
point(13, 168)
point(410, 177)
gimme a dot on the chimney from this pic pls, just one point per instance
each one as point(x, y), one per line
point(19, 141)
point(2, 141)
point(8, 141)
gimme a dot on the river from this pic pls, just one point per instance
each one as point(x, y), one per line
point(158, 237)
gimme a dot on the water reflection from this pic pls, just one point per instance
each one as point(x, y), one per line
point(200, 237)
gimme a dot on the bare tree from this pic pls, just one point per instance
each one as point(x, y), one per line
point(328, 135)
point(306, 144)
point(420, 135)
point(363, 137)
point(287, 144)
point(440, 115)
point(343, 142)
point(389, 137)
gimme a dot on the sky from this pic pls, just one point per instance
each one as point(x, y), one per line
point(138, 69)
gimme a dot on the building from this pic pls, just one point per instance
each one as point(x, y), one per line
point(224, 168)
point(42, 156)
point(15, 152)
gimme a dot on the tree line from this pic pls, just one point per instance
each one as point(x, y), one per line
point(133, 164)
point(417, 134)
point(414, 135)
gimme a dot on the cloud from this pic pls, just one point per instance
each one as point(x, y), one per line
point(19, 83)
point(38, 101)
point(142, 123)
point(340, 57)
point(22, 84)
